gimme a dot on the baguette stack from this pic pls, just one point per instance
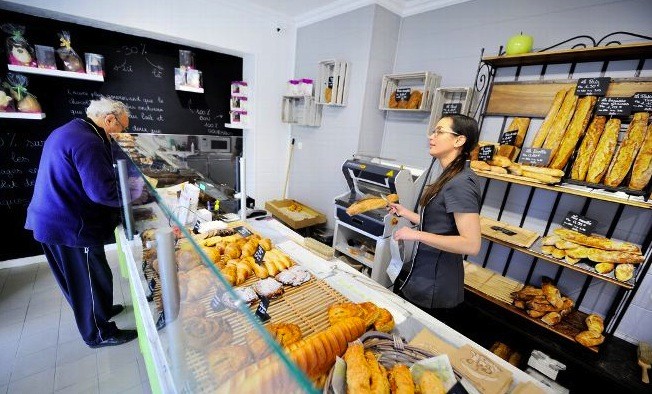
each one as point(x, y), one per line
point(541, 135)
point(603, 152)
point(563, 118)
point(624, 158)
point(642, 170)
point(589, 144)
point(575, 131)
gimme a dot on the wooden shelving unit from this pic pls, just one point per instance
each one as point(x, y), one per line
point(615, 52)
point(499, 293)
point(597, 194)
point(55, 73)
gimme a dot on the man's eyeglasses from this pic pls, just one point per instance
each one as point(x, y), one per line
point(438, 131)
point(124, 129)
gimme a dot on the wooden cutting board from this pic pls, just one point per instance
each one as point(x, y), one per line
point(522, 237)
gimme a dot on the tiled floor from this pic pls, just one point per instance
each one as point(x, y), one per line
point(41, 350)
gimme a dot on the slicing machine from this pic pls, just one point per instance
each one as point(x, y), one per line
point(365, 237)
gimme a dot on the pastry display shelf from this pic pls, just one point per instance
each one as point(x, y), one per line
point(55, 73)
point(569, 326)
point(191, 89)
point(615, 52)
point(597, 194)
point(22, 115)
point(425, 81)
point(581, 267)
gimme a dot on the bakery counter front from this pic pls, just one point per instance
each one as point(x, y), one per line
point(246, 308)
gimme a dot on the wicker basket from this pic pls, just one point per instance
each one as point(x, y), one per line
point(390, 349)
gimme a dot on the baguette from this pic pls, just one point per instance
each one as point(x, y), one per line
point(498, 170)
point(515, 169)
point(480, 165)
point(624, 158)
point(642, 169)
point(614, 257)
point(369, 204)
point(541, 135)
point(589, 143)
point(597, 241)
point(543, 170)
point(520, 124)
point(578, 253)
point(563, 118)
point(603, 152)
point(500, 161)
point(541, 177)
point(574, 132)
point(563, 244)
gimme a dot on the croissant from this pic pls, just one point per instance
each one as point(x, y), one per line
point(249, 248)
point(232, 250)
point(266, 244)
point(589, 338)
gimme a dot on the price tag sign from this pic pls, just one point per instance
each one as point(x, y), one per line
point(195, 228)
point(451, 109)
point(330, 82)
point(486, 152)
point(261, 312)
point(259, 255)
point(592, 86)
point(642, 102)
point(581, 224)
point(535, 156)
point(216, 302)
point(402, 94)
point(508, 138)
point(243, 231)
point(614, 106)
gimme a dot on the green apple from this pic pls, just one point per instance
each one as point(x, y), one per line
point(518, 44)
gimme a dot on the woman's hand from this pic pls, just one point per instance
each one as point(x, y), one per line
point(400, 211)
point(407, 234)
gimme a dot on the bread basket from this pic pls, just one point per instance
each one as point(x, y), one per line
point(391, 350)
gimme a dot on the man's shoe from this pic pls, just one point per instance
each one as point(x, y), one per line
point(120, 337)
point(116, 309)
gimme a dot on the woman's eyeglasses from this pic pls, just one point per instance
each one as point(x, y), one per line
point(439, 131)
point(124, 129)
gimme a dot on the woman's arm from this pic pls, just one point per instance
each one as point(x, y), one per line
point(400, 210)
point(468, 242)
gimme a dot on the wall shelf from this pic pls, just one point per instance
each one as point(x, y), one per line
point(464, 97)
point(333, 75)
point(184, 88)
point(55, 73)
point(22, 115)
point(582, 191)
point(301, 111)
point(425, 81)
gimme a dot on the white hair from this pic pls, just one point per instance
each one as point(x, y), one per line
point(105, 106)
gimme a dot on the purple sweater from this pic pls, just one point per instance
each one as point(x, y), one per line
point(75, 195)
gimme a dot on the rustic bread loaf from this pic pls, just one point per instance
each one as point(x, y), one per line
point(642, 170)
point(624, 158)
point(541, 135)
point(574, 132)
point(603, 152)
point(589, 143)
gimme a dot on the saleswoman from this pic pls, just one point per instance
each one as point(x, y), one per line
point(449, 221)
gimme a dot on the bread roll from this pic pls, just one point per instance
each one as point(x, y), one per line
point(589, 144)
point(535, 314)
point(552, 294)
point(571, 260)
point(624, 272)
point(604, 268)
point(480, 165)
point(520, 124)
point(603, 152)
point(574, 132)
point(563, 118)
point(558, 253)
point(594, 323)
point(500, 161)
point(642, 169)
point(624, 158)
point(551, 318)
point(541, 135)
point(358, 375)
point(415, 99)
point(385, 321)
point(589, 338)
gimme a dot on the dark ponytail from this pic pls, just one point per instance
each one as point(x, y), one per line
point(462, 125)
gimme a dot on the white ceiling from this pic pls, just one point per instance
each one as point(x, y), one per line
point(305, 12)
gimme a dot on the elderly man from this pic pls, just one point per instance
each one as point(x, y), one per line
point(74, 211)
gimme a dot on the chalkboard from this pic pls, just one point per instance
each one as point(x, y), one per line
point(138, 71)
point(402, 94)
point(579, 223)
point(614, 106)
point(642, 102)
point(535, 156)
point(451, 109)
point(592, 86)
point(486, 152)
point(508, 138)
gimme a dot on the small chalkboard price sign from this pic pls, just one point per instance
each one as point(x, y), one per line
point(535, 156)
point(330, 82)
point(614, 106)
point(259, 255)
point(581, 224)
point(216, 302)
point(642, 102)
point(261, 312)
point(402, 94)
point(451, 109)
point(486, 152)
point(243, 231)
point(592, 86)
point(508, 138)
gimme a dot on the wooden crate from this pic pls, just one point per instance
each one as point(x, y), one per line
point(305, 217)
point(462, 96)
point(301, 111)
point(336, 74)
point(425, 81)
